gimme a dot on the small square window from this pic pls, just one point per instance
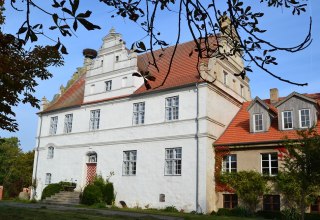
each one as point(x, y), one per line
point(271, 203)
point(230, 201)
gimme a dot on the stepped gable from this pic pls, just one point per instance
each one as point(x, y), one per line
point(72, 97)
point(183, 69)
point(238, 132)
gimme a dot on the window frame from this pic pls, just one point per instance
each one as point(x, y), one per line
point(232, 201)
point(315, 205)
point(254, 122)
point(228, 160)
point(108, 85)
point(176, 163)
point(94, 120)
point(270, 167)
point(68, 119)
point(225, 78)
point(283, 119)
point(138, 116)
point(53, 125)
point(129, 164)
point(300, 118)
point(272, 202)
point(172, 108)
point(50, 154)
point(48, 179)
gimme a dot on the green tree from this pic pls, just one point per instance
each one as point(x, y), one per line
point(300, 178)
point(15, 167)
point(248, 185)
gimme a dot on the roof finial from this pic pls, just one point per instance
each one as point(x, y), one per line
point(112, 30)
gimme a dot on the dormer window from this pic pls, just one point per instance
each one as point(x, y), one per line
point(258, 122)
point(304, 118)
point(287, 120)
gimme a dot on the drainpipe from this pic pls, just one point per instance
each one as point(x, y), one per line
point(37, 153)
point(197, 153)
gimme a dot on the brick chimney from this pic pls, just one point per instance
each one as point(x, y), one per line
point(274, 95)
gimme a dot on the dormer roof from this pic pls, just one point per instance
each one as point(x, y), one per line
point(306, 98)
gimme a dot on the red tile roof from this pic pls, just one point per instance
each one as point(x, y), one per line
point(238, 132)
point(183, 71)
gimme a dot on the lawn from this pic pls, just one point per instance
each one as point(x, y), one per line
point(44, 213)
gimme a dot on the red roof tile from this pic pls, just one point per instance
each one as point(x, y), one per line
point(238, 132)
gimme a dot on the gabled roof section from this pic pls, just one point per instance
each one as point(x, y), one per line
point(238, 132)
point(298, 95)
point(183, 69)
point(72, 97)
point(257, 100)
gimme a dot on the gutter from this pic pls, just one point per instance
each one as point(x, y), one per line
point(197, 153)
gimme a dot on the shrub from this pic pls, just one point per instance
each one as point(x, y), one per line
point(108, 193)
point(224, 212)
point(170, 209)
point(241, 212)
point(91, 194)
point(51, 189)
point(270, 215)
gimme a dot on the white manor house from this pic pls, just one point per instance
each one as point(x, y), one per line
point(158, 143)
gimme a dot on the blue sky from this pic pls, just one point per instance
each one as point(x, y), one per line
point(283, 29)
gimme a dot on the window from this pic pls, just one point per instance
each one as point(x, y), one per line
point(50, 152)
point(101, 63)
point(230, 201)
point(304, 118)
point(172, 108)
point(225, 78)
point(129, 163)
point(269, 164)
point(242, 90)
point(124, 81)
point(117, 58)
point(68, 123)
point(229, 163)
point(271, 203)
point(173, 161)
point(108, 85)
point(53, 125)
point(287, 120)
point(138, 113)
point(92, 157)
point(258, 122)
point(48, 178)
point(94, 119)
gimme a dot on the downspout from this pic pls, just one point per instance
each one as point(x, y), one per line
point(197, 153)
point(37, 152)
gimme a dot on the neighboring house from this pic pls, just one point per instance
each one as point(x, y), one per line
point(156, 142)
point(253, 138)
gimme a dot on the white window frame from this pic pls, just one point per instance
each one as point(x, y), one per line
point(92, 158)
point(53, 125)
point(94, 119)
point(308, 118)
point(282, 114)
point(129, 167)
point(172, 108)
point(50, 152)
point(173, 161)
point(68, 123)
point(228, 163)
point(138, 113)
point(269, 160)
point(48, 178)
point(108, 85)
point(254, 122)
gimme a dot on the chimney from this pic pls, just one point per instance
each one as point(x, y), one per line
point(44, 103)
point(274, 95)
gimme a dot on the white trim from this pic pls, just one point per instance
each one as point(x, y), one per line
point(300, 121)
point(254, 122)
point(282, 118)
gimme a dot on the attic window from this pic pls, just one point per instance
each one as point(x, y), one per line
point(287, 120)
point(258, 122)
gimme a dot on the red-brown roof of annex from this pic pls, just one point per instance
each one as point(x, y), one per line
point(238, 132)
point(183, 72)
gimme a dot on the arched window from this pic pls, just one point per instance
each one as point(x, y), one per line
point(50, 152)
point(92, 157)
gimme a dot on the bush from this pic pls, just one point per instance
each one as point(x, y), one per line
point(290, 214)
point(170, 209)
point(239, 211)
point(108, 193)
point(271, 215)
point(91, 194)
point(51, 189)
point(224, 212)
